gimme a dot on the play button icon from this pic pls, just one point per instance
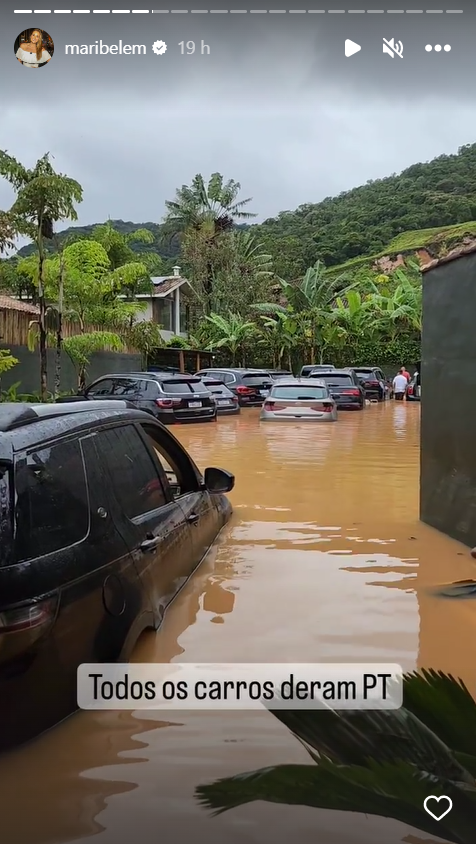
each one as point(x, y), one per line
point(351, 48)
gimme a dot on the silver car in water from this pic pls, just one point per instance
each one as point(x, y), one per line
point(306, 399)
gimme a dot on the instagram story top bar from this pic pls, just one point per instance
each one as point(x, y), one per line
point(239, 11)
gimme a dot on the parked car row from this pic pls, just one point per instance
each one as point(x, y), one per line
point(174, 397)
point(374, 384)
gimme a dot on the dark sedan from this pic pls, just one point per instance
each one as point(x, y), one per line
point(345, 388)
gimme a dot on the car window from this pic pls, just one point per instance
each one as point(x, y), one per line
point(300, 392)
point(257, 380)
point(217, 387)
point(151, 388)
point(104, 387)
point(226, 377)
point(128, 387)
point(175, 463)
point(177, 386)
point(336, 379)
point(135, 479)
point(199, 387)
point(52, 509)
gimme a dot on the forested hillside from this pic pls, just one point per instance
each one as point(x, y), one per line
point(160, 246)
point(364, 220)
point(359, 222)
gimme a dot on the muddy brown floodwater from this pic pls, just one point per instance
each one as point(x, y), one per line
point(324, 560)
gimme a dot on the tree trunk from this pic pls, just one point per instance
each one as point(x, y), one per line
point(42, 319)
point(81, 379)
point(209, 290)
point(59, 330)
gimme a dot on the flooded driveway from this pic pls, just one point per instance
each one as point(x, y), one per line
point(324, 560)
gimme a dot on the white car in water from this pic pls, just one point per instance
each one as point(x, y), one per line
point(306, 399)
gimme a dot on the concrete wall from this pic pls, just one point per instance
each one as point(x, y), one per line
point(27, 370)
point(448, 408)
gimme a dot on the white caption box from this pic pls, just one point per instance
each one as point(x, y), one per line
point(213, 686)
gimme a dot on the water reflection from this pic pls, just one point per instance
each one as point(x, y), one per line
point(324, 559)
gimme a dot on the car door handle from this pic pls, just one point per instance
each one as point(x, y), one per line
point(193, 518)
point(149, 544)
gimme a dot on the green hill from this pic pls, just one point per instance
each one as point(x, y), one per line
point(362, 221)
point(434, 242)
point(161, 247)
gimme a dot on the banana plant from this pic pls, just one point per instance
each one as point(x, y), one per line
point(383, 763)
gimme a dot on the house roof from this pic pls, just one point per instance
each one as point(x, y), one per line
point(165, 284)
point(8, 303)
point(460, 252)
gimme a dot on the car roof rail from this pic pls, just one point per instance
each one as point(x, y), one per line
point(15, 414)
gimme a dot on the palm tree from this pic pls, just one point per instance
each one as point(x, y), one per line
point(204, 212)
point(376, 762)
point(230, 333)
point(199, 203)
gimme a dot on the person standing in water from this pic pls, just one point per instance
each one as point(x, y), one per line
point(400, 384)
point(32, 53)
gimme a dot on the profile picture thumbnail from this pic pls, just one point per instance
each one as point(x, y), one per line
point(34, 48)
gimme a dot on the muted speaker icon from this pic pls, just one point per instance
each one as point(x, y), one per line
point(393, 48)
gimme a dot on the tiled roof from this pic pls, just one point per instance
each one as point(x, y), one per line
point(8, 303)
point(451, 256)
point(166, 284)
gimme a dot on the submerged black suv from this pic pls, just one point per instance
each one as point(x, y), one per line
point(170, 397)
point(103, 518)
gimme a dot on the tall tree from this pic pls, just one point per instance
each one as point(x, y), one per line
point(43, 197)
point(203, 213)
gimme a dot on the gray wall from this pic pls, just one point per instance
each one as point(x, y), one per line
point(27, 371)
point(448, 409)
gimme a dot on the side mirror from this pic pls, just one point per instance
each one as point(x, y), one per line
point(218, 481)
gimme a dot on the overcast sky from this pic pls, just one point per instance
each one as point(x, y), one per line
point(275, 106)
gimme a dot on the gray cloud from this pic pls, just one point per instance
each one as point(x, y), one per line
point(276, 105)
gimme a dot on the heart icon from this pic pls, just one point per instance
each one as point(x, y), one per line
point(442, 811)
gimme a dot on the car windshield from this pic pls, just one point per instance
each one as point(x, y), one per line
point(299, 393)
